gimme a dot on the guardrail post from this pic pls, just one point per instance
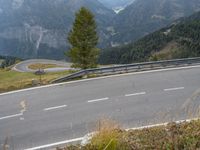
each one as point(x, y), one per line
point(126, 69)
point(101, 71)
point(151, 65)
point(163, 65)
point(189, 62)
point(139, 67)
point(85, 74)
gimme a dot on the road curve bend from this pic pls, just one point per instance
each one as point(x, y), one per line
point(23, 66)
point(65, 111)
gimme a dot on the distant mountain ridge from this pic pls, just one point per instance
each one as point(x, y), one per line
point(116, 4)
point(38, 28)
point(145, 16)
point(180, 39)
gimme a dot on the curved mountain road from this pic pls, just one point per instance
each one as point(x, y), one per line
point(24, 65)
point(66, 111)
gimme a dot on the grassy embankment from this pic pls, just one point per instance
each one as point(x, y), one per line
point(12, 80)
point(42, 66)
point(184, 136)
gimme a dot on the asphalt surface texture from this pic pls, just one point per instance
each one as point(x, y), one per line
point(46, 115)
point(24, 65)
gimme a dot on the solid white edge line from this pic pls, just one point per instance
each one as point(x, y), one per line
point(55, 144)
point(11, 116)
point(98, 78)
point(56, 107)
point(81, 138)
point(135, 94)
point(161, 124)
point(174, 89)
point(97, 100)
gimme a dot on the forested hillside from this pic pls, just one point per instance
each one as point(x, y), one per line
point(6, 61)
point(179, 40)
point(143, 17)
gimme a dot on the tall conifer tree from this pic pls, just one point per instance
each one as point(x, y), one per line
point(83, 39)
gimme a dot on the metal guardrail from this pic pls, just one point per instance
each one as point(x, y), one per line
point(130, 68)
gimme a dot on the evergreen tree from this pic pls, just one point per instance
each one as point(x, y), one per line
point(83, 39)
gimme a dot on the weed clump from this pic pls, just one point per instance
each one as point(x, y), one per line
point(108, 137)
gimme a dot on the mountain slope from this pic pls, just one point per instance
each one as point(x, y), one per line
point(143, 17)
point(38, 28)
point(178, 40)
point(116, 4)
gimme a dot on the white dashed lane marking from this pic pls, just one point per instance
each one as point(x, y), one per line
point(174, 89)
point(56, 107)
point(11, 116)
point(97, 100)
point(135, 94)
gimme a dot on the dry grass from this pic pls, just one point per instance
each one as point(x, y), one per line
point(42, 66)
point(184, 136)
point(173, 137)
point(108, 135)
point(12, 80)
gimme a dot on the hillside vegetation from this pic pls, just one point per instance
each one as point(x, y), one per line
point(184, 136)
point(178, 40)
point(6, 61)
point(143, 17)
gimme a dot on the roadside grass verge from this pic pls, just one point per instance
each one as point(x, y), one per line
point(12, 80)
point(42, 66)
point(174, 136)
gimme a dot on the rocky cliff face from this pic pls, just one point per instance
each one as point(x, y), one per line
point(38, 28)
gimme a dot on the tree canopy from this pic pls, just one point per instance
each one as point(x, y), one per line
point(83, 39)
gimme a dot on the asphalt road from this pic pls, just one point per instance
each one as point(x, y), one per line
point(23, 66)
point(66, 111)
